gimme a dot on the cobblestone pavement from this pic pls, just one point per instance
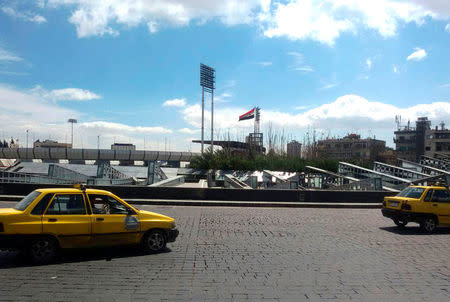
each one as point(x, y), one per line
point(235, 254)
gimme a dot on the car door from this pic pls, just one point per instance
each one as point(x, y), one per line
point(441, 204)
point(66, 218)
point(111, 221)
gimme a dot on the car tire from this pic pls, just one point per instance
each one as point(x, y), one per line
point(43, 250)
point(429, 224)
point(400, 223)
point(154, 241)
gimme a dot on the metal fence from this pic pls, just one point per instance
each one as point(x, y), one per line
point(17, 177)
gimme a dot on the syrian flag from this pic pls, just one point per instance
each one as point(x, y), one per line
point(247, 116)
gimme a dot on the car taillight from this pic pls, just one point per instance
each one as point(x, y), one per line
point(406, 206)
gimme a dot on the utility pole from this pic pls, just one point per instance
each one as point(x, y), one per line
point(98, 142)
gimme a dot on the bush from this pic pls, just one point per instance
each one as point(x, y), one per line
point(225, 160)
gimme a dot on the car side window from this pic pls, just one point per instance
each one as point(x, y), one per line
point(441, 196)
point(104, 204)
point(67, 204)
point(428, 196)
point(42, 205)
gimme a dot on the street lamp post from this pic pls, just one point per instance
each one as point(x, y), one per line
point(72, 121)
point(27, 142)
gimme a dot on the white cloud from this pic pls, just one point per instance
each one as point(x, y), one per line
point(395, 69)
point(369, 63)
point(13, 73)
point(264, 64)
point(345, 113)
point(318, 20)
point(447, 27)
point(326, 20)
point(27, 110)
point(6, 56)
point(329, 86)
point(99, 17)
point(27, 16)
point(299, 20)
point(22, 103)
point(188, 131)
point(175, 103)
point(302, 107)
point(223, 98)
point(305, 68)
point(74, 94)
point(298, 64)
point(418, 55)
point(66, 94)
point(109, 126)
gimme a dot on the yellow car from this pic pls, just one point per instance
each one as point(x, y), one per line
point(49, 219)
point(427, 205)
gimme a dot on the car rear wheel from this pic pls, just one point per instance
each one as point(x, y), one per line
point(154, 241)
point(400, 223)
point(43, 250)
point(429, 224)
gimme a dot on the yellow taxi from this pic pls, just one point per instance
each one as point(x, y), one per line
point(427, 205)
point(49, 219)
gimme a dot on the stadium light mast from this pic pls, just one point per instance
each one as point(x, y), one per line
point(207, 81)
point(72, 121)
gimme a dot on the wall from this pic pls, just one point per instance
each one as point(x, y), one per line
point(137, 192)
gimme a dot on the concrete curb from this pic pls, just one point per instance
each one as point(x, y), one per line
point(230, 203)
point(260, 204)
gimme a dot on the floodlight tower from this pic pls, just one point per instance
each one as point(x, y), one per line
point(207, 81)
point(72, 121)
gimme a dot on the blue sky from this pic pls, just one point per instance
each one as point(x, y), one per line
point(129, 70)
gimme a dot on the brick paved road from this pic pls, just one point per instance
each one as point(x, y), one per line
point(234, 254)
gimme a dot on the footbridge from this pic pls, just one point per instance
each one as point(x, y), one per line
point(50, 154)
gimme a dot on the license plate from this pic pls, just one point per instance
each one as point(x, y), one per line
point(393, 204)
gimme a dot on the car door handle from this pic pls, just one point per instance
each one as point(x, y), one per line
point(52, 220)
point(100, 219)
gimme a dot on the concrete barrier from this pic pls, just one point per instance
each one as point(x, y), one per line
point(138, 192)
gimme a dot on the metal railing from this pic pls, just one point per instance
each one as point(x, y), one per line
point(17, 177)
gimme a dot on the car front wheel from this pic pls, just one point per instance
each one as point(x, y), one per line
point(429, 224)
point(43, 250)
point(154, 241)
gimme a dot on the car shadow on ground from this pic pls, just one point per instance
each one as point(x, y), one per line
point(15, 259)
point(415, 230)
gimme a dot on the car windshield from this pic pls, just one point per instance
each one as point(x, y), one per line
point(411, 192)
point(27, 200)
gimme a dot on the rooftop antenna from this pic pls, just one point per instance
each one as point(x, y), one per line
point(398, 121)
